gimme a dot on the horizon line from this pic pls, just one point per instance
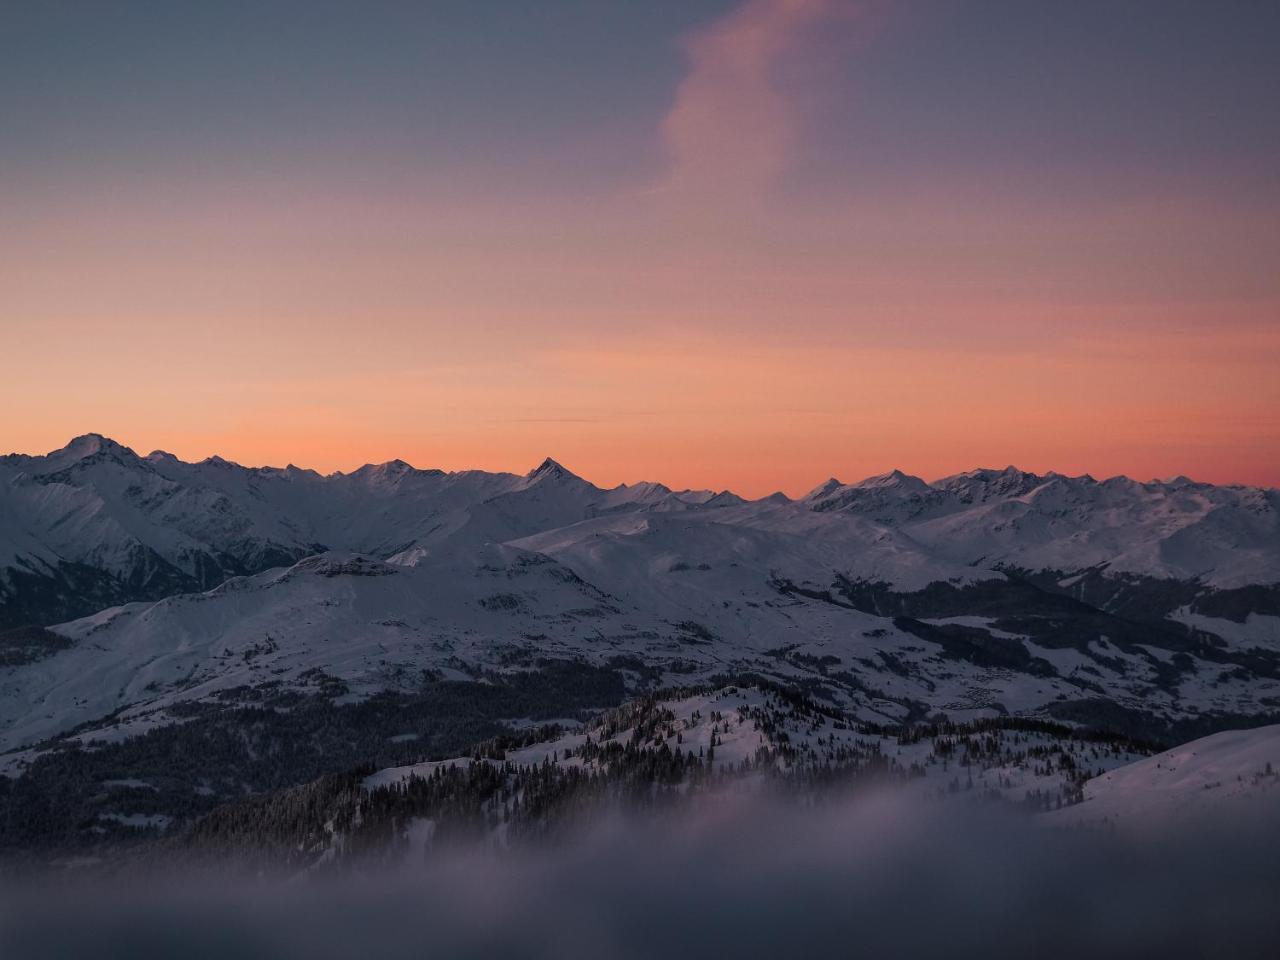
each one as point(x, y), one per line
point(1048, 475)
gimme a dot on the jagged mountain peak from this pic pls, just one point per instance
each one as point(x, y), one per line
point(90, 445)
point(644, 486)
point(990, 473)
point(217, 461)
point(894, 478)
point(387, 472)
point(987, 482)
point(725, 498)
point(550, 469)
point(824, 489)
point(84, 451)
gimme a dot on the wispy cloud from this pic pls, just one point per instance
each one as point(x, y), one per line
point(551, 420)
point(731, 129)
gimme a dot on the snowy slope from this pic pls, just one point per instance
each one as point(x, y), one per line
point(246, 576)
point(376, 625)
point(1225, 775)
point(671, 597)
point(734, 726)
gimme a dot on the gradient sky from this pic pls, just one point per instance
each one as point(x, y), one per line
point(717, 243)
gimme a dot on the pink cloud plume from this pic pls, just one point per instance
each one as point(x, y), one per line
point(731, 129)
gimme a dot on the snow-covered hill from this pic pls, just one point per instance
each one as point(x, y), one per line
point(663, 599)
point(690, 752)
point(752, 731)
point(747, 741)
point(1230, 774)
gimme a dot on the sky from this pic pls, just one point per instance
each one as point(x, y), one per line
point(718, 243)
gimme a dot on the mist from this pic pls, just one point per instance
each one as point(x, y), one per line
point(729, 876)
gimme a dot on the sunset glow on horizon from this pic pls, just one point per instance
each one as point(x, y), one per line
point(744, 244)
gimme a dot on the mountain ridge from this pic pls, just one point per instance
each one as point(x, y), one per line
point(97, 442)
point(93, 524)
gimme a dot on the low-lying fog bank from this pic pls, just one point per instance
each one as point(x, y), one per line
point(876, 876)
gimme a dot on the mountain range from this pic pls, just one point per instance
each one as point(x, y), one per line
point(149, 606)
point(93, 523)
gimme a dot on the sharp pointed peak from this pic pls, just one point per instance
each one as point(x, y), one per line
point(551, 468)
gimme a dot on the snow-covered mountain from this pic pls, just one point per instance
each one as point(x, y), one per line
point(1177, 529)
point(95, 524)
point(987, 591)
point(148, 605)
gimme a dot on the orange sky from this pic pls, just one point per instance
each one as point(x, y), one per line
point(755, 414)
point(708, 319)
